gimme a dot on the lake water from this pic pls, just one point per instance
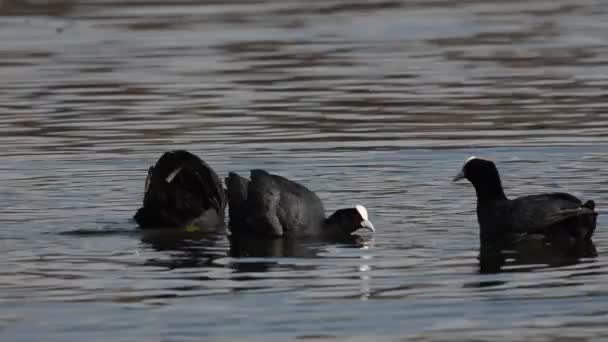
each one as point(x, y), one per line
point(372, 102)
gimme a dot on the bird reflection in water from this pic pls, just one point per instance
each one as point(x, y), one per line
point(533, 250)
point(256, 254)
point(185, 248)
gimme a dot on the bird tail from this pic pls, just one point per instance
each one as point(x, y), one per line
point(237, 188)
point(592, 221)
point(591, 205)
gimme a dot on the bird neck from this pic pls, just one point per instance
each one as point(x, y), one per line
point(336, 222)
point(489, 188)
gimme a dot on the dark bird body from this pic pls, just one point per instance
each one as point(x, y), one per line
point(548, 214)
point(554, 215)
point(273, 206)
point(181, 190)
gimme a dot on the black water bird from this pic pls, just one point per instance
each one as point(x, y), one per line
point(181, 190)
point(273, 206)
point(557, 216)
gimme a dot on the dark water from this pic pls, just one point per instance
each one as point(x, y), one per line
point(373, 102)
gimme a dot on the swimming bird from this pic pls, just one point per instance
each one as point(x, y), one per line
point(555, 215)
point(273, 206)
point(181, 190)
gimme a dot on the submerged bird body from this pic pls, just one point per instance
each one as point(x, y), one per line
point(181, 190)
point(555, 215)
point(273, 206)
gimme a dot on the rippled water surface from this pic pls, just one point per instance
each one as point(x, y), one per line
point(373, 102)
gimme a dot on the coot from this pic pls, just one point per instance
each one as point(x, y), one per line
point(181, 190)
point(554, 215)
point(273, 206)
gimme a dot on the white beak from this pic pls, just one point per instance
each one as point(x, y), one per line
point(368, 225)
point(459, 176)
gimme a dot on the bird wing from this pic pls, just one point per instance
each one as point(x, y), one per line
point(183, 181)
point(296, 208)
point(263, 197)
point(535, 213)
point(202, 184)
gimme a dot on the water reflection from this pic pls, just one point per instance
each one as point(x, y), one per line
point(265, 252)
point(533, 251)
point(243, 246)
point(259, 248)
point(184, 249)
